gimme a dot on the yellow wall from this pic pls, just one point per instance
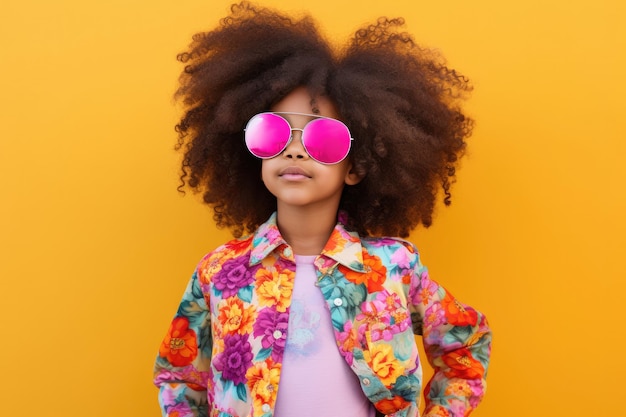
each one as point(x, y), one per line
point(96, 245)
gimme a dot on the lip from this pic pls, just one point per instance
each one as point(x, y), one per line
point(293, 172)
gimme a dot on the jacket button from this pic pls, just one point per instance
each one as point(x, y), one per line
point(338, 302)
point(265, 408)
point(277, 334)
point(366, 381)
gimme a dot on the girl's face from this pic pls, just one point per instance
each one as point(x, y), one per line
point(293, 177)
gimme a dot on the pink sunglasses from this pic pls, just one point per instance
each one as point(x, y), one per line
point(326, 140)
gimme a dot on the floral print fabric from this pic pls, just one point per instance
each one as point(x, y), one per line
point(223, 352)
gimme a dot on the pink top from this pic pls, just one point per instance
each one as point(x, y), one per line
point(315, 379)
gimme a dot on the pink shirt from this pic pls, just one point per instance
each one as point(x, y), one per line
point(315, 380)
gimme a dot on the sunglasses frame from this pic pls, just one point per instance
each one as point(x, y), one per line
point(315, 117)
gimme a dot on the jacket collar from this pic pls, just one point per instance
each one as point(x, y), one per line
point(343, 246)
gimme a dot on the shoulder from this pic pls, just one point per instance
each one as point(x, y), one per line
point(391, 249)
point(236, 249)
point(387, 243)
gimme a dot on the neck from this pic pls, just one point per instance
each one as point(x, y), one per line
point(305, 230)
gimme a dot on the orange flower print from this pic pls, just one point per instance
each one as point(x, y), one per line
point(475, 337)
point(212, 264)
point(196, 387)
point(459, 388)
point(208, 267)
point(438, 411)
point(462, 364)
point(262, 380)
point(381, 359)
point(389, 406)
point(335, 244)
point(274, 287)
point(457, 314)
point(373, 278)
point(179, 346)
point(234, 318)
point(238, 247)
point(218, 338)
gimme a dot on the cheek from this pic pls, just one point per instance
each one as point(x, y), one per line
point(268, 176)
point(266, 173)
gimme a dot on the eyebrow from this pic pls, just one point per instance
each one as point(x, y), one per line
point(291, 113)
point(286, 115)
point(314, 107)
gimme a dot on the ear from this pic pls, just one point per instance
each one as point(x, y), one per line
point(352, 178)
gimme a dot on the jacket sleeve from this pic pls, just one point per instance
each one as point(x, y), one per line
point(182, 366)
point(457, 342)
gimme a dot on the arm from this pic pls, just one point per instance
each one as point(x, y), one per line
point(457, 344)
point(182, 367)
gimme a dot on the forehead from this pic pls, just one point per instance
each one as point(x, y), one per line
point(301, 101)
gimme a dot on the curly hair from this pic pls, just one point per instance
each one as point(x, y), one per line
point(400, 101)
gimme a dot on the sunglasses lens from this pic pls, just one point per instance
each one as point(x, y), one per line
point(326, 140)
point(266, 135)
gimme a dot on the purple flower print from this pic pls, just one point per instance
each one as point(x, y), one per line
point(381, 242)
point(272, 327)
point(458, 407)
point(433, 324)
point(180, 409)
point(269, 235)
point(478, 391)
point(401, 319)
point(425, 293)
point(234, 275)
point(347, 340)
point(434, 316)
point(376, 319)
point(273, 235)
point(168, 398)
point(402, 258)
point(381, 332)
point(374, 312)
point(236, 358)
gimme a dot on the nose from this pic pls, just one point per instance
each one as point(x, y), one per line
point(295, 149)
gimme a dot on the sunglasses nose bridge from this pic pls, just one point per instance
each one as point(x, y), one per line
point(297, 129)
point(294, 147)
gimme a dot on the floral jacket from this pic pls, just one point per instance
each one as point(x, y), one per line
point(222, 354)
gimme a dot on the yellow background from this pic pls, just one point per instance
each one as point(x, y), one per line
point(96, 245)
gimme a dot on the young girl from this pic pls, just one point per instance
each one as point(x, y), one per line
point(315, 153)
